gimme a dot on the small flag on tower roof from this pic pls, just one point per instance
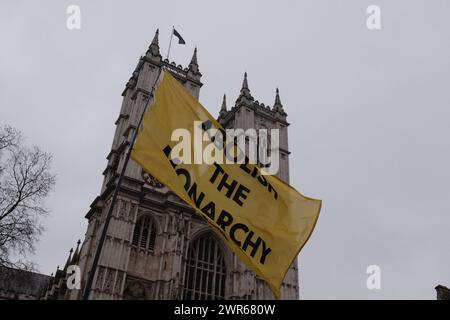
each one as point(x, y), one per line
point(178, 35)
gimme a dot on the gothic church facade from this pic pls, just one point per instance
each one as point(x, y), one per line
point(157, 247)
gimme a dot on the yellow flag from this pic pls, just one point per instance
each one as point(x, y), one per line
point(263, 220)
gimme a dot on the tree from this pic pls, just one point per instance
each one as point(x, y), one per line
point(25, 182)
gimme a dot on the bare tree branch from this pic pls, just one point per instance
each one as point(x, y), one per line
point(25, 182)
point(9, 137)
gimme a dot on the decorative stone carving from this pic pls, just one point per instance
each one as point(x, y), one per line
point(134, 290)
point(151, 180)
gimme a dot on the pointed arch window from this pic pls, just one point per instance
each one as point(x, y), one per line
point(144, 235)
point(205, 270)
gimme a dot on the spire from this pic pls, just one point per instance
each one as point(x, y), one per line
point(245, 83)
point(223, 109)
point(194, 57)
point(68, 259)
point(77, 253)
point(153, 49)
point(245, 92)
point(193, 71)
point(224, 103)
point(277, 98)
point(57, 273)
point(155, 40)
point(278, 107)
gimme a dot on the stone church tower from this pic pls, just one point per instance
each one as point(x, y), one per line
point(157, 247)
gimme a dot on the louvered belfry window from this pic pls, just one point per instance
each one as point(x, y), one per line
point(144, 235)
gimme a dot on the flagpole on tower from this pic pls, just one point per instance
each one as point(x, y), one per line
point(170, 42)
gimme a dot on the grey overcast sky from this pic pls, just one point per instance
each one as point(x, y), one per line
point(369, 114)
